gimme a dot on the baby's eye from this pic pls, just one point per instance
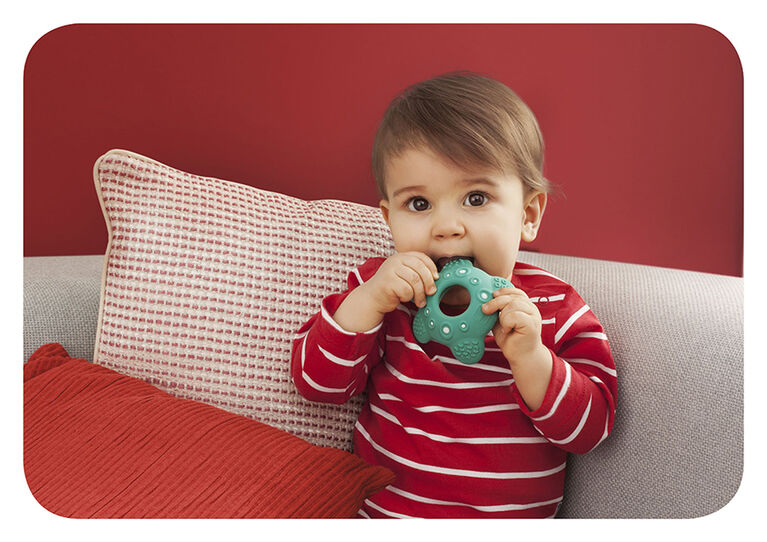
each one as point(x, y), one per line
point(476, 199)
point(418, 204)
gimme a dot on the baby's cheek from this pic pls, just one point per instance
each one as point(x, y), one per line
point(405, 239)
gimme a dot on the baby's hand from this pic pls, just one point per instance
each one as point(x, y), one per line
point(401, 278)
point(518, 330)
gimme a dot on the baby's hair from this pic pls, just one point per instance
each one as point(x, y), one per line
point(471, 119)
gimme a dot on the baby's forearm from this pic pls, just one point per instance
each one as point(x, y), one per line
point(532, 377)
point(358, 313)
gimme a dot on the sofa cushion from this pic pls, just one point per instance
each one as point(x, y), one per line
point(110, 445)
point(206, 282)
point(61, 302)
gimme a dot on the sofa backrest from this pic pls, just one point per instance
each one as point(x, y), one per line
point(677, 447)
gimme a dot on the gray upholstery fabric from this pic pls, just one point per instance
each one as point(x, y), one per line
point(676, 450)
point(677, 447)
point(61, 303)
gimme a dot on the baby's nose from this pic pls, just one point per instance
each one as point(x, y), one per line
point(447, 226)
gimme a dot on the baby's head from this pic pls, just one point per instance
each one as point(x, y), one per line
point(473, 120)
point(458, 161)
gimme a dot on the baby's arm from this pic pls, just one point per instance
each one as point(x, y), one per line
point(568, 393)
point(330, 364)
point(578, 408)
point(401, 278)
point(334, 352)
point(518, 334)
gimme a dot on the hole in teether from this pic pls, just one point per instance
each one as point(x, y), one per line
point(454, 301)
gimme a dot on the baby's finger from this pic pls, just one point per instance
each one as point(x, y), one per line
point(418, 265)
point(509, 290)
point(494, 305)
point(415, 281)
point(497, 303)
point(429, 263)
point(403, 289)
point(515, 302)
point(511, 319)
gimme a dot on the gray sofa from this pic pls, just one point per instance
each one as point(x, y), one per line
point(677, 337)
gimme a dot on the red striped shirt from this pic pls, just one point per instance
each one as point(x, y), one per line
point(459, 437)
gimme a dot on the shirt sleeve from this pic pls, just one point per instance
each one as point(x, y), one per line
point(578, 408)
point(328, 363)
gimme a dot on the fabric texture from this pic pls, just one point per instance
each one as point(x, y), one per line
point(101, 444)
point(460, 438)
point(676, 450)
point(206, 282)
point(61, 302)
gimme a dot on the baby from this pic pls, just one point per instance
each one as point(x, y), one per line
point(458, 161)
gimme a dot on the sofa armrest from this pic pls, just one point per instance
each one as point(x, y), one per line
point(676, 449)
point(61, 302)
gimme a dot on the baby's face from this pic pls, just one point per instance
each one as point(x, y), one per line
point(442, 210)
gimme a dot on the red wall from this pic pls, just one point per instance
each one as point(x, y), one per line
point(643, 123)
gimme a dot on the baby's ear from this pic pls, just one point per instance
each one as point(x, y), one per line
point(535, 205)
point(384, 206)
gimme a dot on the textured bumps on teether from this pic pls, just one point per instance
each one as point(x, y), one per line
point(465, 333)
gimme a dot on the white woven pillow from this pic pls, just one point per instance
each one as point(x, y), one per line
point(206, 282)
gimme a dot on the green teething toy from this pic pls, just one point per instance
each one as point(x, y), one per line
point(465, 333)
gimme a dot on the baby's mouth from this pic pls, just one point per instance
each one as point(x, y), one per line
point(441, 262)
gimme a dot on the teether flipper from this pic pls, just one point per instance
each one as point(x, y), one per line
point(465, 333)
point(419, 327)
point(469, 350)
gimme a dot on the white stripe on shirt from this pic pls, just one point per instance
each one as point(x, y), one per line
point(606, 432)
point(546, 299)
point(408, 344)
point(341, 361)
point(455, 472)
point(570, 321)
point(311, 382)
point(577, 431)
point(611, 372)
point(481, 508)
point(451, 385)
point(404, 309)
point(438, 408)
point(359, 277)
point(591, 335)
point(597, 380)
point(386, 512)
point(333, 323)
point(448, 360)
point(536, 272)
point(560, 395)
point(458, 440)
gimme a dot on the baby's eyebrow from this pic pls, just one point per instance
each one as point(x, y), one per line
point(469, 182)
point(418, 188)
point(479, 180)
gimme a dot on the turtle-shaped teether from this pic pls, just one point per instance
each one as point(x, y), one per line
point(465, 333)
